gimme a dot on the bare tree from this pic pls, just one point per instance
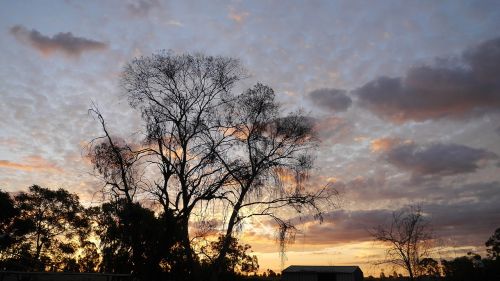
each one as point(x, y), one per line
point(178, 97)
point(205, 146)
point(268, 158)
point(407, 239)
point(115, 161)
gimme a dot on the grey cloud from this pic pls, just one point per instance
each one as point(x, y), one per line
point(330, 99)
point(142, 8)
point(467, 222)
point(450, 88)
point(333, 129)
point(64, 42)
point(438, 159)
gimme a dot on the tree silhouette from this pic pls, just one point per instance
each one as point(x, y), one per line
point(205, 146)
point(429, 267)
point(7, 214)
point(407, 240)
point(132, 239)
point(493, 245)
point(269, 172)
point(49, 228)
point(178, 96)
point(237, 260)
point(463, 268)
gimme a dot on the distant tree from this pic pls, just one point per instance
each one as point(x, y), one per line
point(429, 267)
point(49, 229)
point(406, 238)
point(271, 273)
point(492, 263)
point(237, 260)
point(473, 267)
point(493, 245)
point(463, 268)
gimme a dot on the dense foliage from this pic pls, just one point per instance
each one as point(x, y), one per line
point(49, 230)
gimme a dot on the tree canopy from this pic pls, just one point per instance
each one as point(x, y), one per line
point(205, 147)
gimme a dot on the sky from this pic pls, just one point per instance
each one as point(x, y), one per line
point(406, 94)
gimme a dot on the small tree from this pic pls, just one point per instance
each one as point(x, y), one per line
point(407, 239)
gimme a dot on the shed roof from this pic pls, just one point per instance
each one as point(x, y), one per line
point(319, 268)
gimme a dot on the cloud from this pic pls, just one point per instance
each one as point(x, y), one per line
point(438, 159)
point(467, 222)
point(33, 163)
point(450, 88)
point(237, 16)
point(333, 129)
point(385, 144)
point(330, 99)
point(64, 42)
point(141, 8)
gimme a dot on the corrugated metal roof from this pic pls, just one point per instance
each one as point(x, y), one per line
point(319, 268)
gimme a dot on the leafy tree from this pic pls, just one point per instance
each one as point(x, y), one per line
point(8, 212)
point(463, 268)
point(407, 240)
point(492, 263)
point(89, 258)
point(473, 267)
point(429, 267)
point(48, 230)
point(236, 260)
point(493, 245)
point(132, 239)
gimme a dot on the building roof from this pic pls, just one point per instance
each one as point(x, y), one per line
point(320, 268)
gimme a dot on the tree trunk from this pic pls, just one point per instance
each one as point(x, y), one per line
point(217, 265)
point(192, 269)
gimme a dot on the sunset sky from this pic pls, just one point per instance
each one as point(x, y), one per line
point(406, 94)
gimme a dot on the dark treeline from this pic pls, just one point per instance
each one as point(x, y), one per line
point(49, 230)
point(465, 268)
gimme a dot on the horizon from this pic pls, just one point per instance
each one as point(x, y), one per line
point(405, 96)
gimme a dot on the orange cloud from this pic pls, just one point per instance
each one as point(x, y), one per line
point(237, 16)
point(385, 144)
point(9, 142)
point(33, 163)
